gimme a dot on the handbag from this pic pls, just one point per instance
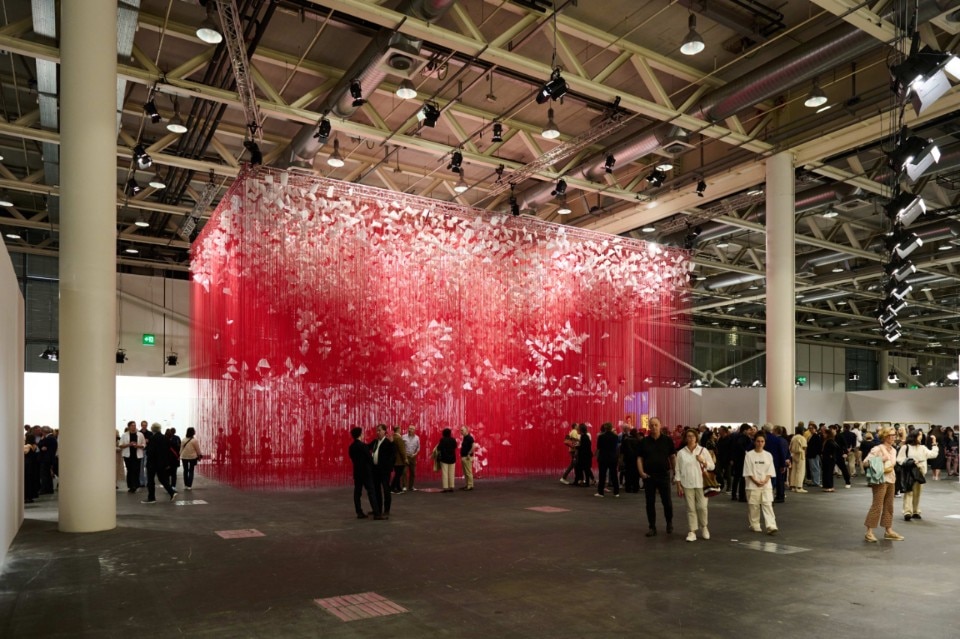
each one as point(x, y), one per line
point(435, 456)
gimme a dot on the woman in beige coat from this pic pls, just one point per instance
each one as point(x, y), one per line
point(798, 468)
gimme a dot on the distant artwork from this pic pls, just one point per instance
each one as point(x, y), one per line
point(319, 305)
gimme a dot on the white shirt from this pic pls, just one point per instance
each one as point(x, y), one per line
point(137, 439)
point(376, 450)
point(758, 466)
point(689, 472)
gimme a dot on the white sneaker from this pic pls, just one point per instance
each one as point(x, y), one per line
point(705, 533)
point(802, 490)
point(691, 536)
point(564, 481)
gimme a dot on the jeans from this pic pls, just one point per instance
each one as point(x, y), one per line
point(815, 470)
point(653, 484)
point(189, 465)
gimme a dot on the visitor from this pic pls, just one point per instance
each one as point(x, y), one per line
point(831, 451)
point(190, 455)
point(584, 472)
point(607, 458)
point(411, 442)
point(814, 449)
point(362, 461)
point(629, 449)
point(446, 451)
point(159, 459)
point(692, 461)
point(742, 442)
point(132, 447)
point(571, 441)
point(938, 463)
point(881, 508)
point(951, 447)
point(912, 487)
point(468, 446)
point(758, 471)
point(655, 462)
point(779, 450)
point(399, 462)
point(48, 460)
point(31, 469)
point(384, 455)
point(798, 467)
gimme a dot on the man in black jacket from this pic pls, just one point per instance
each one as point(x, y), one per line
point(743, 442)
point(159, 459)
point(384, 454)
point(362, 460)
point(607, 459)
point(48, 460)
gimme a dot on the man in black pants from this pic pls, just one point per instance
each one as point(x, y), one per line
point(362, 474)
point(742, 442)
point(655, 463)
point(384, 454)
point(159, 459)
point(607, 459)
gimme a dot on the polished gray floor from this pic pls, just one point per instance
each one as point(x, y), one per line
point(481, 564)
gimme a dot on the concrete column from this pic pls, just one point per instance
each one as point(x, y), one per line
point(88, 249)
point(883, 369)
point(781, 333)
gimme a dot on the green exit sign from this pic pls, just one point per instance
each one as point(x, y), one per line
point(801, 379)
point(149, 339)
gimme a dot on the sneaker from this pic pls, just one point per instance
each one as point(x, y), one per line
point(691, 536)
point(892, 536)
point(189, 487)
point(173, 495)
point(802, 490)
point(870, 538)
point(755, 529)
point(705, 533)
point(414, 489)
point(404, 490)
point(771, 531)
point(564, 481)
point(847, 486)
point(597, 495)
point(616, 494)
point(148, 501)
point(652, 532)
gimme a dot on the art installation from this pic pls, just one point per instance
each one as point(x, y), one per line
point(319, 305)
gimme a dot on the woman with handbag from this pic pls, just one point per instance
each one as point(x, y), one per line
point(881, 508)
point(919, 453)
point(693, 461)
point(190, 455)
point(447, 456)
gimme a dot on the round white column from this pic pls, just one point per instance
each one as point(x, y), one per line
point(88, 213)
point(781, 332)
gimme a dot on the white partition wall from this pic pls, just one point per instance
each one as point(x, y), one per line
point(11, 404)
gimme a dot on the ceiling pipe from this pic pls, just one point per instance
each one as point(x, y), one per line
point(370, 70)
point(818, 56)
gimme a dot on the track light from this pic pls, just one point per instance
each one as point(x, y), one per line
point(914, 155)
point(497, 133)
point(157, 183)
point(905, 208)
point(172, 359)
point(560, 189)
point(921, 78)
point(892, 376)
point(461, 186)
point(514, 206)
point(144, 161)
point(553, 89)
point(406, 90)
point(609, 163)
point(701, 187)
point(550, 131)
point(854, 376)
point(132, 187)
point(209, 30)
point(428, 114)
point(50, 353)
point(150, 108)
point(455, 161)
point(893, 305)
point(899, 269)
point(335, 160)
point(357, 94)
point(906, 243)
point(915, 371)
point(121, 356)
point(899, 290)
point(656, 177)
point(323, 131)
point(256, 157)
point(816, 98)
point(693, 43)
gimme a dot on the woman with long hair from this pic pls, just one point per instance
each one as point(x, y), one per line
point(915, 450)
point(190, 456)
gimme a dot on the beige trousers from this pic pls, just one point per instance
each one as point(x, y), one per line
point(911, 500)
point(696, 508)
point(467, 464)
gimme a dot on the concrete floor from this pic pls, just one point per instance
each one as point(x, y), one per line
point(481, 565)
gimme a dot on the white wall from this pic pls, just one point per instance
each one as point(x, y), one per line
point(11, 404)
point(922, 405)
point(141, 303)
point(170, 401)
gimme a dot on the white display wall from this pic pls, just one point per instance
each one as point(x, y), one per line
point(11, 404)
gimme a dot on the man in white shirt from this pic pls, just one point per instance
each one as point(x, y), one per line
point(132, 444)
point(412, 442)
point(758, 473)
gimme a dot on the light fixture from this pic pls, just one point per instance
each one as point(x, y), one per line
point(323, 131)
point(150, 108)
point(892, 337)
point(121, 356)
point(461, 186)
point(893, 305)
point(356, 92)
point(553, 89)
point(428, 114)
point(4, 201)
point(854, 376)
point(256, 156)
point(176, 125)
point(905, 208)
point(13, 236)
point(550, 131)
point(131, 251)
point(132, 187)
point(563, 208)
point(497, 133)
point(899, 269)
point(172, 359)
point(335, 160)
point(899, 290)
point(816, 97)
point(906, 243)
point(514, 206)
point(837, 269)
point(144, 161)
point(156, 182)
point(892, 376)
point(921, 78)
point(656, 177)
point(609, 163)
point(560, 189)
point(406, 90)
point(914, 155)
point(723, 245)
point(735, 382)
point(455, 161)
point(142, 222)
point(693, 43)
point(755, 192)
point(209, 30)
point(756, 383)
point(829, 214)
point(701, 187)
point(665, 165)
point(916, 371)
point(649, 229)
point(50, 353)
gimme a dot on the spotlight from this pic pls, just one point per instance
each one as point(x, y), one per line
point(50, 353)
point(256, 157)
point(150, 108)
point(157, 182)
point(609, 163)
point(905, 208)
point(915, 371)
point(892, 337)
point(550, 131)
point(693, 43)
point(455, 161)
point(209, 31)
point(892, 376)
point(357, 94)
point(906, 243)
point(323, 131)
point(497, 132)
point(132, 187)
point(335, 160)
point(899, 290)
point(428, 114)
point(461, 186)
point(921, 78)
point(854, 376)
point(406, 90)
point(894, 306)
point(701, 187)
point(656, 177)
point(144, 161)
point(561, 188)
point(899, 269)
point(816, 97)
point(553, 89)
point(121, 356)
point(514, 207)
point(172, 359)
point(735, 382)
point(914, 155)
point(756, 383)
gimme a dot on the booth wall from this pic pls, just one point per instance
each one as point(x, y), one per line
point(11, 404)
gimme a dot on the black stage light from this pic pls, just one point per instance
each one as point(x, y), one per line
point(357, 94)
point(497, 132)
point(656, 177)
point(323, 130)
point(50, 353)
point(701, 187)
point(256, 157)
point(914, 155)
point(553, 89)
point(132, 187)
point(456, 160)
point(121, 356)
point(429, 113)
point(905, 208)
point(898, 290)
point(172, 359)
point(900, 269)
point(514, 207)
point(921, 78)
point(906, 243)
point(609, 163)
point(853, 377)
point(144, 161)
point(150, 108)
point(894, 306)
point(915, 371)
point(561, 188)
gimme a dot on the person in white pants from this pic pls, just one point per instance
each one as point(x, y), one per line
point(692, 460)
point(758, 472)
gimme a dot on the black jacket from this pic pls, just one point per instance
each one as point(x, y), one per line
point(386, 456)
point(159, 453)
point(362, 460)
